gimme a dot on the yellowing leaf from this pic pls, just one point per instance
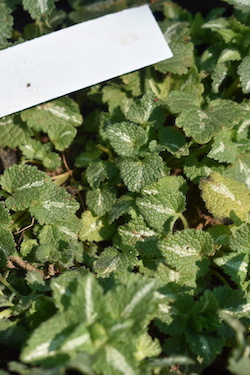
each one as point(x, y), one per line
point(225, 197)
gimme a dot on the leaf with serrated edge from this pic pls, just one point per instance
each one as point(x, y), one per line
point(244, 73)
point(185, 253)
point(100, 200)
point(38, 9)
point(95, 228)
point(158, 210)
point(137, 173)
point(225, 197)
point(126, 138)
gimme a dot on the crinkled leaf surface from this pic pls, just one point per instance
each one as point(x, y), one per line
point(114, 261)
point(7, 245)
point(178, 100)
point(100, 200)
point(126, 138)
point(166, 185)
point(225, 197)
point(223, 149)
point(185, 252)
point(235, 265)
point(244, 74)
point(240, 4)
point(196, 124)
point(174, 141)
point(177, 35)
point(234, 302)
point(134, 231)
point(120, 207)
point(25, 183)
point(13, 132)
point(6, 24)
point(53, 205)
point(95, 228)
point(141, 111)
point(40, 8)
point(161, 211)
point(137, 173)
point(240, 170)
point(240, 242)
point(202, 125)
point(62, 111)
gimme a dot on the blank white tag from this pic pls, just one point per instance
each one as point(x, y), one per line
point(79, 56)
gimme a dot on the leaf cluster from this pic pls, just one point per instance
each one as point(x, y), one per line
point(124, 246)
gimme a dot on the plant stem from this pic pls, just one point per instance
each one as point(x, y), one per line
point(184, 221)
point(220, 277)
point(5, 283)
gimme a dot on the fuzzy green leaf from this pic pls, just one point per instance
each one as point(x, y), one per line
point(161, 211)
point(240, 170)
point(206, 346)
point(134, 231)
point(61, 135)
point(232, 301)
point(38, 9)
point(138, 173)
point(33, 189)
point(235, 265)
point(244, 73)
point(13, 132)
point(54, 340)
point(5, 218)
point(242, 5)
point(100, 200)
point(126, 138)
point(25, 183)
point(174, 141)
point(60, 233)
point(6, 24)
point(95, 228)
point(225, 197)
point(141, 112)
point(185, 253)
point(114, 261)
point(196, 124)
point(116, 98)
point(99, 171)
point(34, 150)
point(58, 118)
point(166, 185)
point(52, 205)
point(120, 207)
point(177, 35)
point(240, 242)
point(178, 100)
point(202, 125)
point(7, 245)
point(218, 75)
point(223, 148)
point(132, 300)
point(62, 111)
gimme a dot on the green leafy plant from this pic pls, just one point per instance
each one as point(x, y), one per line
point(124, 208)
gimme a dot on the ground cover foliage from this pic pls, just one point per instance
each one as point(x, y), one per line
point(124, 209)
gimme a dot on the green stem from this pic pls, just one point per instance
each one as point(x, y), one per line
point(231, 89)
point(5, 283)
point(106, 150)
point(184, 221)
point(220, 277)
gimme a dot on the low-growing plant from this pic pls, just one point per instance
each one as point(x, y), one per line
point(124, 209)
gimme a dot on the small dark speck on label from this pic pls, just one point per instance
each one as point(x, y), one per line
point(28, 85)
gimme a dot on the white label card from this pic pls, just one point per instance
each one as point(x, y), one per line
point(79, 56)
